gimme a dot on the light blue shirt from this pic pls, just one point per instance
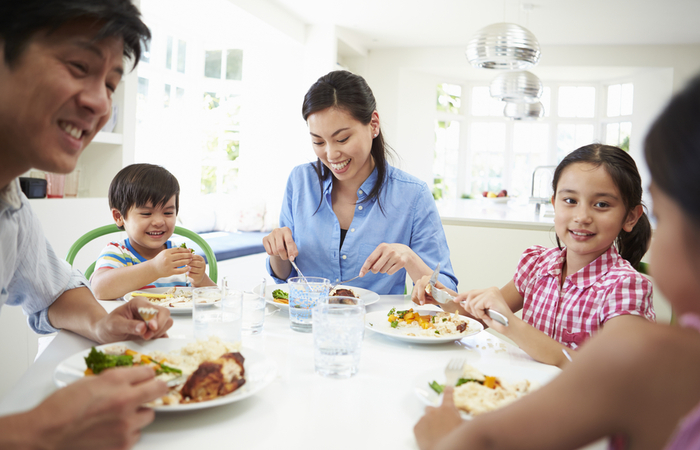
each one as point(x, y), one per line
point(31, 275)
point(409, 217)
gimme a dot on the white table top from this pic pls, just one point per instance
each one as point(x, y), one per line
point(516, 213)
point(377, 408)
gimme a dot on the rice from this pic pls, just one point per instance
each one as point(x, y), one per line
point(445, 324)
point(475, 398)
point(189, 357)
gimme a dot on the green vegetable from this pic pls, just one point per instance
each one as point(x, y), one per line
point(183, 245)
point(166, 369)
point(391, 311)
point(437, 387)
point(98, 361)
point(394, 324)
point(401, 313)
point(279, 293)
point(461, 381)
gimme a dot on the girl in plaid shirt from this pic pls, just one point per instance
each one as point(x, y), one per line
point(638, 381)
point(567, 293)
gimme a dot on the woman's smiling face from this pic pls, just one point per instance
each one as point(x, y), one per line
point(343, 143)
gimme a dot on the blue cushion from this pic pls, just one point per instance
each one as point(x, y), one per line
point(228, 245)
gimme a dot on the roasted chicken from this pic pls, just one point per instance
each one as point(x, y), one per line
point(214, 378)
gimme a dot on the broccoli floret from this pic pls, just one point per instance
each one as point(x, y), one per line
point(98, 361)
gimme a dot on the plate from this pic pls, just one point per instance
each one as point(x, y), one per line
point(185, 308)
point(259, 371)
point(496, 199)
point(369, 297)
point(540, 375)
point(377, 322)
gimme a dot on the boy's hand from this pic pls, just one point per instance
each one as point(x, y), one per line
point(173, 261)
point(197, 267)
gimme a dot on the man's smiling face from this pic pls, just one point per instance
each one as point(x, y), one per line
point(57, 95)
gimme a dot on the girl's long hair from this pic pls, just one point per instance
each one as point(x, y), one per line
point(622, 169)
point(350, 93)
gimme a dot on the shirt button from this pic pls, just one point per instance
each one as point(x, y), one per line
point(337, 279)
point(360, 207)
point(360, 192)
point(345, 256)
point(352, 230)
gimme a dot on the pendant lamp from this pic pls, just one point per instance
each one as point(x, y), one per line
point(524, 111)
point(516, 87)
point(503, 46)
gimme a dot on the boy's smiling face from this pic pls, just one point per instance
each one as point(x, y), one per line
point(148, 227)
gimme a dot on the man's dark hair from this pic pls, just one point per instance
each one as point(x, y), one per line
point(139, 184)
point(20, 19)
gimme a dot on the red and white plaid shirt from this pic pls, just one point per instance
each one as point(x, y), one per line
point(607, 287)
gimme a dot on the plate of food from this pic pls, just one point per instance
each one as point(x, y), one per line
point(176, 299)
point(500, 197)
point(278, 294)
point(483, 386)
point(424, 326)
point(184, 364)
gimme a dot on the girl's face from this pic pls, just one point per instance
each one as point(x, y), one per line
point(670, 260)
point(343, 143)
point(589, 211)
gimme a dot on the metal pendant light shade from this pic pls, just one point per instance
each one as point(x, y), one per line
point(503, 46)
point(517, 87)
point(524, 111)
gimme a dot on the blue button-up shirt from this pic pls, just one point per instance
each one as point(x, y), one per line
point(408, 216)
point(31, 275)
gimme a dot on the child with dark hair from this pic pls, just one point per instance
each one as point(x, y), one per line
point(144, 199)
point(568, 294)
point(637, 382)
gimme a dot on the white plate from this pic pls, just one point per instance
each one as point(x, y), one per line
point(186, 308)
point(368, 297)
point(378, 322)
point(539, 375)
point(259, 371)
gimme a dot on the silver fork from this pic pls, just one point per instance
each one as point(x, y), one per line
point(443, 297)
point(343, 282)
point(453, 371)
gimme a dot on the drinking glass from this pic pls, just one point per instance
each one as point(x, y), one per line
point(217, 312)
point(54, 185)
point(254, 309)
point(304, 293)
point(338, 327)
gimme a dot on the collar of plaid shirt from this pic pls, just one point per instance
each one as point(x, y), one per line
point(590, 274)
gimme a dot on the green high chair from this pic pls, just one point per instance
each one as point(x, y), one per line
point(112, 228)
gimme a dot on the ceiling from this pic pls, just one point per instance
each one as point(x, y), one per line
point(378, 24)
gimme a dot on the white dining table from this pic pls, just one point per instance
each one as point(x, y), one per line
point(376, 408)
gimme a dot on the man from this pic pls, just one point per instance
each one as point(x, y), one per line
point(60, 62)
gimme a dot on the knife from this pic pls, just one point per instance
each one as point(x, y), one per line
point(443, 297)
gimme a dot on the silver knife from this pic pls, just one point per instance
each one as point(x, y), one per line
point(443, 297)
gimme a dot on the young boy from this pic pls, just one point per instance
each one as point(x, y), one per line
point(144, 199)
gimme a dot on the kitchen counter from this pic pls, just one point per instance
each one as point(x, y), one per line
point(516, 213)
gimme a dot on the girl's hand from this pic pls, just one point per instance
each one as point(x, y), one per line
point(477, 301)
point(197, 267)
point(173, 261)
point(387, 258)
point(280, 243)
point(437, 422)
point(418, 295)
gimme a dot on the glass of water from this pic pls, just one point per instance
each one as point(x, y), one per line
point(217, 312)
point(304, 293)
point(254, 309)
point(339, 327)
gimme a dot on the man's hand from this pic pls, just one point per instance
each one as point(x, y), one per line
point(437, 422)
point(102, 411)
point(173, 261)
point(125, 323)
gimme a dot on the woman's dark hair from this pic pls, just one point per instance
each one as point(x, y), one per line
point(622, 169)
point(350, 93)
point(672, 150)
point(20, 19)
point(139, 184)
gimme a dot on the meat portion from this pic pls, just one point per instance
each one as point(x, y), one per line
point(215, 378)
point(343, 292)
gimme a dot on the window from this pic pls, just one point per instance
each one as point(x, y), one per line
point(477, 149)
point(618, 123)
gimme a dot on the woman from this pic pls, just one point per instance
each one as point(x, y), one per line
point(352, 213)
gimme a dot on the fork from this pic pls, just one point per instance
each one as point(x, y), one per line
point(443, 297)
point(343, 282)
point(453, 371)
point(299, 271)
